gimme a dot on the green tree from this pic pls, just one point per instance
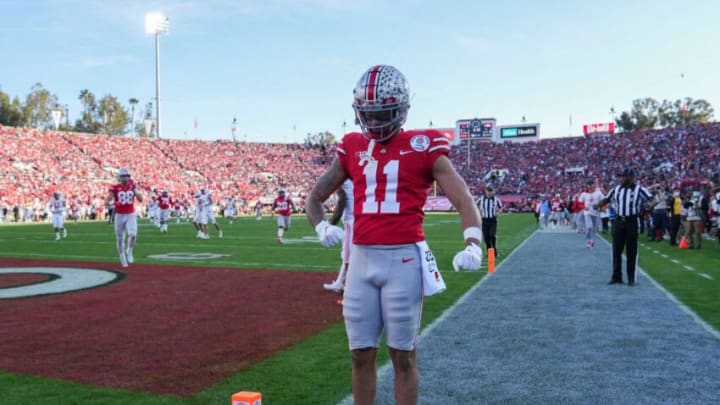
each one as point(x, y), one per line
point(320, 138)
point(685, 111)
point(648, 113)
point(112, 115)
point(644, 114)
point(38, 104)
point(88, 121)
point(11, 113)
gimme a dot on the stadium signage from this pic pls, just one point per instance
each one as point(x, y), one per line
point(600, 128)
point(516, 131)
point(475, 128)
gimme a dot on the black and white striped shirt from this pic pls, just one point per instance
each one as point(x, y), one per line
point(489, 207)
point(628, 200)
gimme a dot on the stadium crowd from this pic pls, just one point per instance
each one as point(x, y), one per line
point(563, 165)
point(36, 163)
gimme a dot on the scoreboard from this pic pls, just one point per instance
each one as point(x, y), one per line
point(475, 128)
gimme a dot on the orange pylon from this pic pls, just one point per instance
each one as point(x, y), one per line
point(491, 260)
point(683, 243)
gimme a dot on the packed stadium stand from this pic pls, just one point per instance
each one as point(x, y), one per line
point(563, 165)
point(36, 163)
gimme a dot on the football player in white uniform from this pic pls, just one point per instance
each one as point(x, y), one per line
point(199, 220)
point(230, 209)
point(57, 208)
point(209, 211)
point(590, 198)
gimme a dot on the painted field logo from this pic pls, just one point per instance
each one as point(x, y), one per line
point(59, 280)
point(188, 256)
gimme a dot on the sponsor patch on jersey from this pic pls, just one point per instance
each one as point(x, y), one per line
point(60, 280)
point(420, 143)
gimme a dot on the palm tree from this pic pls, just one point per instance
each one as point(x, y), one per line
point(87, 98)
point(133, 102)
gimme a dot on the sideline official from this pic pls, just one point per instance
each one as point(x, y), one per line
point(490, 207)
point(628, 198)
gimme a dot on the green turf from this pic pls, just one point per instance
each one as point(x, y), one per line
point(698, 293)
point(317, 370)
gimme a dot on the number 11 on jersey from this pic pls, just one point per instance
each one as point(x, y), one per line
point(390, 205)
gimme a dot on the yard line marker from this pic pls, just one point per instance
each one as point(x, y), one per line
point(675, 261)
point(689, 268)
point(707, 276)
point(664, 256)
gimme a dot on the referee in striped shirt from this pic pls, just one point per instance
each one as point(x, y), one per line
point(490, 207)
point(628, 199)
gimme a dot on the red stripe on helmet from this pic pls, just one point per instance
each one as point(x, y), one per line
point(372, 83)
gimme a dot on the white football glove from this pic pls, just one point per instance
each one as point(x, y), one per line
point(469, 259)
point(329, 235)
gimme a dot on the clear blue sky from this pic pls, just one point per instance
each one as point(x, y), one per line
point(274, 64)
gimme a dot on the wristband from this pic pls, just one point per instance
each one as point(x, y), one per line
point(472, 232)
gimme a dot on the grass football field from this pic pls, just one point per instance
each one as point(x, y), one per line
point(316, 370)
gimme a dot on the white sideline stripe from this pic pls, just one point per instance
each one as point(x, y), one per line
point(707, 276)
point(688, 268)
point(387, 367)
point(672, 298)
point(664, 256)
point(676, 261)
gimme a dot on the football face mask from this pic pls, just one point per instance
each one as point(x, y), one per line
point(381, 101)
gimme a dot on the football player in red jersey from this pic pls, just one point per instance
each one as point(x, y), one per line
point(284, 207)
point(177, 206)
point(124, 194)
point(391, 266)
point(557, 206)
point(164, 201)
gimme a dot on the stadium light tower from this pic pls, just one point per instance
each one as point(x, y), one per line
point(156, 24)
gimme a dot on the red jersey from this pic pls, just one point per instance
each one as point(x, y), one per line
point(390, 190)
point(124, 196)
point(176, 205)
point(164, 202)
point(282, 206)
point(556, 205)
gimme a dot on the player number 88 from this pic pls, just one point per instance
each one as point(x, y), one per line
point(125, 197)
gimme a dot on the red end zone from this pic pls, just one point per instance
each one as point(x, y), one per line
point(163, 329)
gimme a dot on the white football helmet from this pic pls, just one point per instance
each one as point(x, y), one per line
point(381, 100)
point(123, 175)
point(281, 192)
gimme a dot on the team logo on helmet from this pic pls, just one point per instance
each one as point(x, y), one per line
point(420, 143)
point(381, 102)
